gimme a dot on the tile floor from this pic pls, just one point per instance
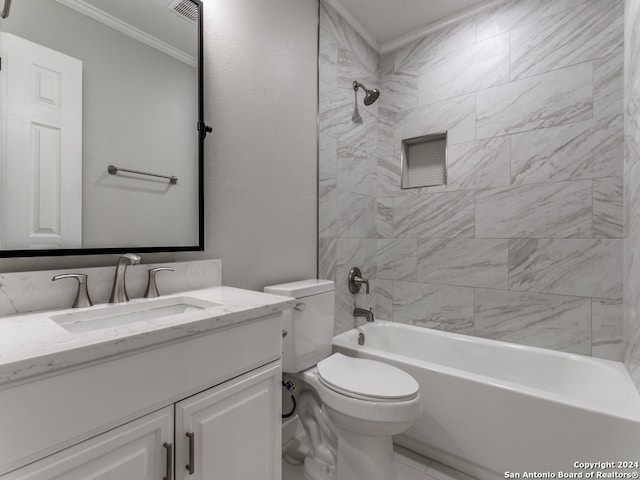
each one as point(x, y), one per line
point(409, 465)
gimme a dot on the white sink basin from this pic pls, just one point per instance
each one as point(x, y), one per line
point(122, 314)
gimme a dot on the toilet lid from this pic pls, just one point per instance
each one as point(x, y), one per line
point(359, 377)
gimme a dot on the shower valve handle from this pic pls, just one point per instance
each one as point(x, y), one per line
point(356, 281)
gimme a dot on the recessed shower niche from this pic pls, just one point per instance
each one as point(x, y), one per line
point(424, 160)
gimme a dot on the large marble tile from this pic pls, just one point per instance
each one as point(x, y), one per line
point(334, 116)
point(631, 298)
point(356, 215)
point(327, 210)
point(548, 321)
point(384, 217)
point(631, 320)
point(356, 170)
point(386, 64)
point(457, 116)
point(465, 262)
point(386, 125)
point(556, 210)
point(632, 130)
point(389, 176)
point(327, 162)
point(547, 100)
point(481, 164)
point(399, 91)
point(608, 212)
point(579, 151)
point(327, 258)
point(470, 166)
point(632, 84)
point(632, 201)
point(606, 328)
point(335, 120)
point(350, 69)
point(467, 70)
point(347, 37)
point(451, 38)
point(328, 59)
point(632, 74)
point(582, 267)
point(442, 307)
point(608, 85)
point(592, 30)
point(510, 15)
point(397, 259)
point(438, 215)
point(384, 300)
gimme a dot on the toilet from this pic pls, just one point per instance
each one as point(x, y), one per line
point(351, 406)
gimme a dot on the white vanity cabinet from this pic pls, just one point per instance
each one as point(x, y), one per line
point(234, 434)
point(134, 451)
point(234, 430)
point(112, 418)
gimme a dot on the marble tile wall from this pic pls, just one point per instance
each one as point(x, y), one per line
point(631, 326)
point(525, 242)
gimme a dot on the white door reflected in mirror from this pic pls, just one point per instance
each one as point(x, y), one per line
point(41, 154)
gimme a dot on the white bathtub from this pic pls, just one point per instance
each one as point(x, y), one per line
point(494, 408)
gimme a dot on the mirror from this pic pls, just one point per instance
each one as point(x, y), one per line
point(101, 127)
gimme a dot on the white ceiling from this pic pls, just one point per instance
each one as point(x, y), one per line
point(152, 22)
point(390, 23)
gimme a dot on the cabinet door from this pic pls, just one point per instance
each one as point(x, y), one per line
point(236, 429)
point(134, 451)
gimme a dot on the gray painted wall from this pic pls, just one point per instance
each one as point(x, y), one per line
point(261, 160)
point(524, 243)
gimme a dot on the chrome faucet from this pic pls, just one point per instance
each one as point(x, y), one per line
point(119, 290)
point(361, 312)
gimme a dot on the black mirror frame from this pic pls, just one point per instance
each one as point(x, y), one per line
point(201, 130)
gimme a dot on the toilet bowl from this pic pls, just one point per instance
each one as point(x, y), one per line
point(350, 407)
point(365, 403)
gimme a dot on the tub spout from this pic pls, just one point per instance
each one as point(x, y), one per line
point(361, 312)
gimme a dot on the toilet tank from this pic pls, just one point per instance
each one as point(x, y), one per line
point(309, 325)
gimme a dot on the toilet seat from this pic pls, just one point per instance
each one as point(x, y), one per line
point(365, 379)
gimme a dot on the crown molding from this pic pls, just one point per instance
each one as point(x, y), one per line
point(129, 30)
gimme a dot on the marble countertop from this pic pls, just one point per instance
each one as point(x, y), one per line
point(34, 344)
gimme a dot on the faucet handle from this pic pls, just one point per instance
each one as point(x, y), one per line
point(356, 281)
point(152, 289)
point(82, 296)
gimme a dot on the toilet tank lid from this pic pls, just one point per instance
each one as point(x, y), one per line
point(302, 288)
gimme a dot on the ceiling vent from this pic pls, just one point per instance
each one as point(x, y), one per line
point(186, 9)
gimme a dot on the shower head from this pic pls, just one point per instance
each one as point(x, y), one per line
point(370, 96)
